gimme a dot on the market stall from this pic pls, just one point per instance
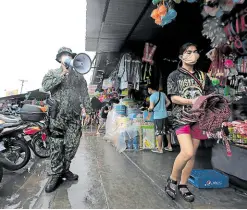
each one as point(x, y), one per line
point(225, 26)
point(219, 29)
point(226, 30)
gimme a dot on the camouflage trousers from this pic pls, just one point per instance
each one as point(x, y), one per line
point(64, 142)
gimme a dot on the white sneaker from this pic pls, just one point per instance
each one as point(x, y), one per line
point(157, 151)
point(169, 149)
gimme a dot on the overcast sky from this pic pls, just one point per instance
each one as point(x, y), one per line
point(32, 31)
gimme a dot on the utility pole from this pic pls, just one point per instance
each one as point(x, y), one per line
point(22, 84)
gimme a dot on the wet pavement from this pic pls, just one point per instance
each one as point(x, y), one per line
point(109, 180)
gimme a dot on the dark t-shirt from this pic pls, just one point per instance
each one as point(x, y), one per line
point(103, 114)
point(182, 84)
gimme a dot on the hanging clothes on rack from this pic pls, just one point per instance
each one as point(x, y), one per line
point(124, 68)
point(129, 72)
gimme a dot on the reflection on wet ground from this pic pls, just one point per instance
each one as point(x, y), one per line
point(109, 180)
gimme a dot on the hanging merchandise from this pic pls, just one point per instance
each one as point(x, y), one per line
point(227, 5)
point(164, 14)
point(211, 7)
point(236, 32)
point(241, 64)
point(148, 53)
point(129, 70)
point(216, 8)
point(216, 69)
point(146, 73)
point(213, 30)
point(107, 83)
point(169, 17)
point(155, 2)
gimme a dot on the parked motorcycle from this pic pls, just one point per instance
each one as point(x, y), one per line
point(36, 137)
point(12, 148)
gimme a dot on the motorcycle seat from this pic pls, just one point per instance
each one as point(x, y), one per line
point(9, 120)
point(9, 125)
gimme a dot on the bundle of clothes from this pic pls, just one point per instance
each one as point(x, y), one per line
point(209, 113)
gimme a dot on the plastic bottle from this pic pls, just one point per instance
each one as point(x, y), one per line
point(136, 143)
point(130, 144)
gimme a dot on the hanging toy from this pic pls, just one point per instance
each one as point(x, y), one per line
point(164, 14)
point(158, 21)
point(155, 14)
point(169, 17)
point(155, 2)
point(162, 10)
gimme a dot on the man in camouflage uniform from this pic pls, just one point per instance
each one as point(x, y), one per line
point(69, 89)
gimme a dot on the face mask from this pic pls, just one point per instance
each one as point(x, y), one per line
point(65, 57)
point(191, 58)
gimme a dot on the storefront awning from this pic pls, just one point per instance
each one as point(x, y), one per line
point(111, 23)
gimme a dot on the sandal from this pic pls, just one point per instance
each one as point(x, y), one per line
point(171, 188)
point(185, 193)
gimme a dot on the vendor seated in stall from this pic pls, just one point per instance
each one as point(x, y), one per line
point(103, 117)
point(158, 104)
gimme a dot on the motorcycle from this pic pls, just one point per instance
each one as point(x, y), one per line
point(12, 148)
point(36, 137)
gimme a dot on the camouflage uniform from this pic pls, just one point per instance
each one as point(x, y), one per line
point(70, 92)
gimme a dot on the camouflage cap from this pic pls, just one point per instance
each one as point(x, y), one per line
point(64, 50)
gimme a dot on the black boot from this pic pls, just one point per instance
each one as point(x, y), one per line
point(70, 176)
point(53, 183)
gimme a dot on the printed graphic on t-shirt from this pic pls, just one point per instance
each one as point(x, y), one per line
point(181, 84)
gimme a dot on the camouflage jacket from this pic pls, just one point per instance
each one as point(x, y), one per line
point(70, 91)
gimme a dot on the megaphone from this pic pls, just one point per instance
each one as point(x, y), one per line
point(81, 63)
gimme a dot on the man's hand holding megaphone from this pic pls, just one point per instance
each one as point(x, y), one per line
point(65, 70)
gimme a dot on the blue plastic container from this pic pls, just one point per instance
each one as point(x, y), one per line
point(204, 179)
point(145, 114)
point(121, 109)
